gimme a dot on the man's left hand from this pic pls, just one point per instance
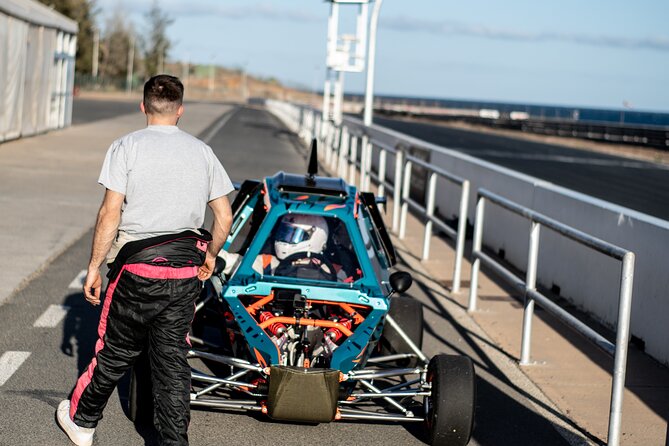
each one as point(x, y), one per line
point(206, 270)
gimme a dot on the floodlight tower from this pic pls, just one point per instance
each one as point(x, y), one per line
point(345, 53)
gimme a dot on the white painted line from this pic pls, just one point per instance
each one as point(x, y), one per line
point(78, 282)
point(224, 120)
point(568, 159)
point(10, 363)
point(52, 316)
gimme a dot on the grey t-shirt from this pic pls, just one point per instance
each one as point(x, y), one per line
point(167, 177)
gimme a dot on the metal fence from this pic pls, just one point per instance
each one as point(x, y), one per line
point(351, 147)
point(528, 287)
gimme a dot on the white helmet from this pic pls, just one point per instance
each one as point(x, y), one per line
point(300, 233)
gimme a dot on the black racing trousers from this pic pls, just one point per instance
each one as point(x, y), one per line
point(149, 305)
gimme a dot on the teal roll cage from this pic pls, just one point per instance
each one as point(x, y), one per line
point(284, 194)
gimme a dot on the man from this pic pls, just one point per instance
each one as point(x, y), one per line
point(158, 182)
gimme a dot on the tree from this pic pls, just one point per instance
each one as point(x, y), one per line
point(115, 45)
point(83, 12)
point(157, 44)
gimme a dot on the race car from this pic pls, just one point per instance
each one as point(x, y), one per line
point(303, 320)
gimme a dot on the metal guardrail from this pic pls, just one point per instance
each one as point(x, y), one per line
point(528, 286)
point(342, 144)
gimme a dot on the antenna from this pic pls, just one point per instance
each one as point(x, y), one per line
point(313, 161)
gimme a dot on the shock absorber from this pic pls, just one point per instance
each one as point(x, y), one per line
point(335, 334)
point(277, 328)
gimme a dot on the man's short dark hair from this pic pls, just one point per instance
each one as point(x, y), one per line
point(163, 94)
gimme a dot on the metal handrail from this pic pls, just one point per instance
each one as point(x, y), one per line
point(342, 145)
point(537, 220)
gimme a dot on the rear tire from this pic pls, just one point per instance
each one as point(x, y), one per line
point(408, 313)
point(449, 419)
point(140, 398)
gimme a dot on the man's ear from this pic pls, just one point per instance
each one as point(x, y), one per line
point(142, 108)
point(180, 111)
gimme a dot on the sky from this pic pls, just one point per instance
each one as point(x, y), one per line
point(588, 53)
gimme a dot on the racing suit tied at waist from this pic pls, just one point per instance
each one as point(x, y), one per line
point(175, 256)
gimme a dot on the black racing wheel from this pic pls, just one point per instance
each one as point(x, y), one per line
point(307, 266)
point(449, 419)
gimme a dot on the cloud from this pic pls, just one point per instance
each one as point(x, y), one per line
point(408, 24)
point(177, 9)
point(265, 11)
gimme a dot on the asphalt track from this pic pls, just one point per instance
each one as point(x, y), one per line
point(638, 185)
point(250, 143)
point(89, 110)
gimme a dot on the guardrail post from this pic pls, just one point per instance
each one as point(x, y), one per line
point(369, 148)
point(476, 249)
point(343, 152)
point(309, 125)
point(622, 340)
point(336, 147)
point(312, 127)
point(353, 158)
point(382, 171)
point(397, 189)
point(530, 285)
point(406, 186)
point(328, 132)
point(429, 209)
point(462, 233)
point(329, 145)
point(318, 131)
point(363, 160)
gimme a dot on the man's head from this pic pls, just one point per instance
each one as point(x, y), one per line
point(163, 96)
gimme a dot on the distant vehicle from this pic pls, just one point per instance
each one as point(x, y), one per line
point(519, 115)
point(301, 341)
point(488, 113)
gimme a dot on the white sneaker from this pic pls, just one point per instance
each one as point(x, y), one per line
point(81, 436)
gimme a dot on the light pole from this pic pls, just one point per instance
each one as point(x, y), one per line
point(96, 51)
point(244, 84)
point(131, 61)
point(371, 53)
point(211, 74)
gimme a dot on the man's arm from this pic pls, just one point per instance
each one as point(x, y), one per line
point(106, 227)
point(219, 232)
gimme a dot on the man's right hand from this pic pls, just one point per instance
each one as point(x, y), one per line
point(92, 286)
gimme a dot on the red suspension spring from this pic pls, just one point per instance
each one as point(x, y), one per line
point(334, 333)
point(277, 328)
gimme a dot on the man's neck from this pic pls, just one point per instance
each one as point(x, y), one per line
point(161, 120)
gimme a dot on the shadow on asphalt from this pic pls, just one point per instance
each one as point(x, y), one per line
point(500, 418)
point(80, 330)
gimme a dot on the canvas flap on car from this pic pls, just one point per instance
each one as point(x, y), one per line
point(302, 394)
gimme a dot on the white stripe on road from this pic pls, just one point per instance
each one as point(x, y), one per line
point(52, 316)
point(78, 282)
point(10, 363)
point(226, 117)
point(630, 164)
